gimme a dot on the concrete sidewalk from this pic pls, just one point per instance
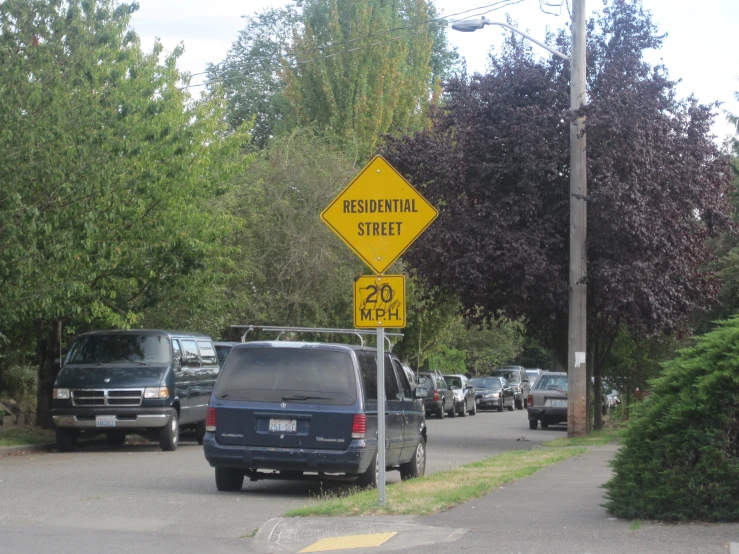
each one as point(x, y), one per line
point(555, 511)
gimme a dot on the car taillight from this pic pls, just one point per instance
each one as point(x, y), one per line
point(531, 400)
point(210, 420)
point(436, 395)
point(359, 426)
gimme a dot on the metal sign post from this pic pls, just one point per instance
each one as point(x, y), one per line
point(379, 215)
point(381, 415)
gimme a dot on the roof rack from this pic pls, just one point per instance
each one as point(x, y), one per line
point(282, 330)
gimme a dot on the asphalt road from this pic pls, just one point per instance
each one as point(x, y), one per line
point(139, 498)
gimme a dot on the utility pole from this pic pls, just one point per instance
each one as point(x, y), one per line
point(577, 413)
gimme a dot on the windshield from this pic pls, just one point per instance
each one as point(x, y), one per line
point(272, 374)
point(222, 351)
point(454, 382)
point(486, 383)
point(106, 349)
point(510, 376)
point(552, 382)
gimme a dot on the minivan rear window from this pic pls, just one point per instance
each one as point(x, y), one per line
point(273, 374)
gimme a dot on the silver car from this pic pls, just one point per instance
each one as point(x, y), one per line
point(548, 400)
point(464, 394)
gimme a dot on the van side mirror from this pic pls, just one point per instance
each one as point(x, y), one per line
point(421, 392)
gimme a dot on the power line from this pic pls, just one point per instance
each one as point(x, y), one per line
point(500, 4)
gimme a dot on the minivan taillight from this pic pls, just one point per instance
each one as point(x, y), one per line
point(531, 400)
point(210, 420)
point(436, 395)
point(359, 426)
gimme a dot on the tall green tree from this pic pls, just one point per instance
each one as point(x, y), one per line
point(354, 70)
point(108, 172)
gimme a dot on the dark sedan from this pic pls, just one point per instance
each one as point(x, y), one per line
point(493, 392)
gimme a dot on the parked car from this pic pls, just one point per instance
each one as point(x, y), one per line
point(144, 381)
point(533, 375)
point(493, 392)
point(548, 400)
point(464, 394)
point(287, 410)
point(518, 379)
point(439, 399)
point(222, 350)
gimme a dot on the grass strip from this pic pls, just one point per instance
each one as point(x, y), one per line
point(442, 490)
point(20, 436)
point(595, 438)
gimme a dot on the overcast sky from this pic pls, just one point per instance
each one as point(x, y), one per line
point(700, 49)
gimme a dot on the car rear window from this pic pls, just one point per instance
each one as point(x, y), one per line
point(486, 383)
point(273, 374)
point(510, 376)
point(551, 382)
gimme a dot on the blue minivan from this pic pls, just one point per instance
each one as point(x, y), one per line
point(301, 410)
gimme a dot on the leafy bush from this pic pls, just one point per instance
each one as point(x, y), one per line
point(18, 381)
point(680, 455)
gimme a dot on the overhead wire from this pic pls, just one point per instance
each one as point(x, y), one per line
point(500, 4)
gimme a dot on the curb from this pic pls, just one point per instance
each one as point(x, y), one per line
point(4, 450)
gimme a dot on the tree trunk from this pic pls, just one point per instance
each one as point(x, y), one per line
point(48, 340)
point(597, 396)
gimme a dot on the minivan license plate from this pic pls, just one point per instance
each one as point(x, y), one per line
point(105, 421)
point(283, 425)
point(559, 403)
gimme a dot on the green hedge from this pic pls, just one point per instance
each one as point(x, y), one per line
point(680, 454)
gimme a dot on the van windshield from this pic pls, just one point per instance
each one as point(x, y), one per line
point(123, 348)
point(273, 374)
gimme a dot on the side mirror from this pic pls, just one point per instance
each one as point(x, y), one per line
point(421, 392)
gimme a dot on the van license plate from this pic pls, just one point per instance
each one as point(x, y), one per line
point(559, 403)
point(283, 425)
point(105, 421)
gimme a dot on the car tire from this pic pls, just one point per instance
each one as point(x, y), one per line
point(115, 438)
point(500, 406)
point(169, 435)
point(533, 424)
point(544, 425)
point(439, 412)
point(519, 404)
point(473, 411)
point(66, 440)
point(200, 432)
point(453, 412)
point(463, 411)
point(369, 479)
point(229, 479)
point(416, 466)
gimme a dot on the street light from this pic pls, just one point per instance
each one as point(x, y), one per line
point(577, 413)
point(470, 25)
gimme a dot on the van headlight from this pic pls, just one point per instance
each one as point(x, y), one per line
point(156, 392)
point(60, 394)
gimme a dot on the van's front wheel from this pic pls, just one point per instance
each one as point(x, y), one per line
point(169, 435)
point(416, 466)
point(66, 439)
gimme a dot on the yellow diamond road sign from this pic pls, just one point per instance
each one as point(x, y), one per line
point(379, 301)
point(379, 214)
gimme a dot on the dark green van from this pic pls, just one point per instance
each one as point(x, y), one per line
point(147, 382)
